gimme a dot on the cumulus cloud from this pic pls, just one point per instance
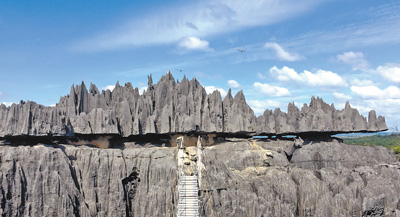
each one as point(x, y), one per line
point(321, 78)
point(233, 84)
point(363, 109)
point(355, 59)
point(389, 108)
point(193, 43)
point(142, 89)
point(210, 89)
point(259, 106)
point(358, 82)
point(109, 87)
point(374, 92)
point(8, 103)
point(342, 96)
point(389, 72)
point(270, 90)
point(282, 54)
point(285, 74)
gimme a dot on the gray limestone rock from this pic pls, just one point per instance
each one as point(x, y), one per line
point(29, 118)
point(242, 177)
point(333, 154)
point(173, 107)
point(318, 117)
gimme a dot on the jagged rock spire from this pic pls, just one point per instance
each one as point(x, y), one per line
point(174, 107)
point(150, 81)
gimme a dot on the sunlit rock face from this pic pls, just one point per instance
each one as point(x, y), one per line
point(318, 117)
point(113, 153)
point(242, 177)
point(169, 107)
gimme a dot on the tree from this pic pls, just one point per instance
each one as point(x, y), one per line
point(396, 149)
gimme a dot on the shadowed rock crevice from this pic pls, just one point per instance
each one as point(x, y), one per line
point(130, 184)
point(398, 205)
point(24, 183)
point(75, 205)
point(378, 208)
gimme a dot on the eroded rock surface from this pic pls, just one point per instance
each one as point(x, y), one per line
point(173, 107)
point(318, 117)
point(243, 177)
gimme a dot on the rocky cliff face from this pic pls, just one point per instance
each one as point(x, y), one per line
point(242, 177)
point(173, 107)
point(43, 174)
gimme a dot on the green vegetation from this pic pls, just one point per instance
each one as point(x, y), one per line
point(391, 141)
point(396, 149)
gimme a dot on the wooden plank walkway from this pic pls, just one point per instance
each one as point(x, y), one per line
point(188, 202)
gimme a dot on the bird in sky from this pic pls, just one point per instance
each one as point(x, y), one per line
point(180, 70)
point(241, 50)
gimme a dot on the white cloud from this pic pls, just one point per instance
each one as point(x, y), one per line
point(233, 84)
point(386, 102)
point(389, 72)
point(321, 78)
point(109, 87)
point(373, 92)
point(298, 104)
point(285, 74)
point(197, 19)
point(389, 108)
point(259, 106)
point(362, 109)
point(342, 96)
point(270, 90)
point(8, 103)
point(142, 89)
point(357, 82)
point(193, 43)
point(211, 89)
point(355, 59)
point(282, 54)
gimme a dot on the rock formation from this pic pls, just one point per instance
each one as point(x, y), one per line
point(318, 117)
point(173, 107)
point(111, 171)
point(243, 177)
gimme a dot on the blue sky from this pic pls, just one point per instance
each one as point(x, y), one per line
point(339, 50)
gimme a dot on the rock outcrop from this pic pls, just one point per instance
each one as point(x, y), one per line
point(242, 177)
point(318, 117)
point(173, 107)
point(126, 175)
